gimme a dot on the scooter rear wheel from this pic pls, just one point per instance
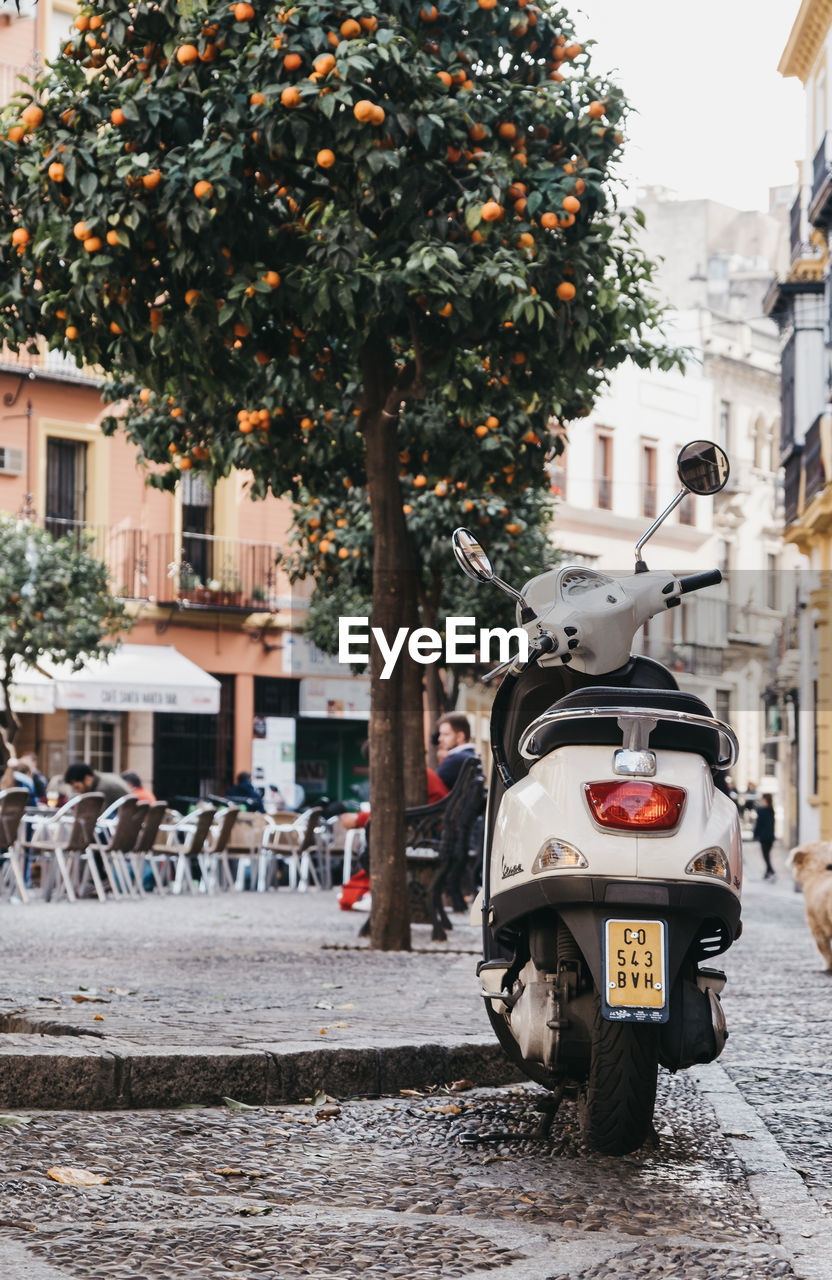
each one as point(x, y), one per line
point(616, 1107)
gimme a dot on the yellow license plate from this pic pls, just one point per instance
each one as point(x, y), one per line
point(635, 964)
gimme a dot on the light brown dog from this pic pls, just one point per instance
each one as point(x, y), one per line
point(811, 866)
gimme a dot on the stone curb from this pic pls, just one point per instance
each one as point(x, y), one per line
point(48, 1077)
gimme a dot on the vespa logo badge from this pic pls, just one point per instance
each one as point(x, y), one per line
point(514, 870)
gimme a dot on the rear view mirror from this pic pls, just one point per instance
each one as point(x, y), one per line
point(471, 557)
point(703, 467)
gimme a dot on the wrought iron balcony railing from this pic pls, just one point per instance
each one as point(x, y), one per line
point(201, 571)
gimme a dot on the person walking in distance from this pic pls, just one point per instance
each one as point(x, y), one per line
point(764, 833)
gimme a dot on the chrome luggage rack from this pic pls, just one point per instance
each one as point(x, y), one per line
point(636, 724)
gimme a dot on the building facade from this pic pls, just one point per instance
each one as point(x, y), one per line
point(799, 300)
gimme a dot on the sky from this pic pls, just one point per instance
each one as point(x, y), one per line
point(715, 118)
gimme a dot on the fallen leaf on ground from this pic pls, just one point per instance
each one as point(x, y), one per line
point(452, 1109)
point(15, 1222)
point(328, 1113)
point(238, 1173)
point(459, 1086)
point(321, 1098)
point(254, 1210)
point(411, 1093)
point(99, 1017)
point(75, 1177)
point(90, 999)
point(234, 1105)
point(526, 1200)
point(323, 1004)
point(13, 1122)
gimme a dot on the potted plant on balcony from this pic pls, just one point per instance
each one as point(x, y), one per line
point(231, 591)
point(211, 593)
point(190, 585)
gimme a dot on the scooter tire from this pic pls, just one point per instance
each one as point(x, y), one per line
point(616, 1107)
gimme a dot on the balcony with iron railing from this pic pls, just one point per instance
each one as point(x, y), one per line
point(197, 572)
point(814, 471)
point(792, 471)
point(820, 201)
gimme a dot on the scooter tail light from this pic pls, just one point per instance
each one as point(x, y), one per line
point(710, 862)
point(635, 805)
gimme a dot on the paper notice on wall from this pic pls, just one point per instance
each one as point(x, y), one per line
point(273, 760)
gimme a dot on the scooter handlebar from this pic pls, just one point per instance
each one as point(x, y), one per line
point(696, 581)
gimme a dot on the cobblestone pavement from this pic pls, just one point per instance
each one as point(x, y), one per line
point(453, 1184)
point(446, 1181)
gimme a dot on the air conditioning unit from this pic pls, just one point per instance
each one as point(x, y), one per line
point(11, 462)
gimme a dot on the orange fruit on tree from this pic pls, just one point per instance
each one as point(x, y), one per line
point(549, 220)
point(521, 205)
point(56, 171)
point(92, 244)
point(257, 99)
point(507, 130)
point(481, 431)
point(203, 190)
point(526, 240)
point(566, 291)
point(370, 22)
point(429, 13)
point(185, 464)
point(572, 50)
point(144, 395)
point(20, 237)
point(151, 180)
point(363, 110)
point(290, 97)
point(446, 310)
point(186, 54)
point(156, 318)
point(243, 12)
point(192, 297)
point(71, 332)
point(325, 158)
point(115, 327)
point(112, 237)
point(350, 29)
point(272, 279)
point(597, 110)
point(81, 22)
point(32, 115)
point(445, 77)
point(517, 189)
point(292, 61)
point(17, 133)
point(324, 64)
point(491, 211)
point(571, 204)
point(513, 528)
point(419, 481)
point(487, 4)
point(477, 132)
point(343, 553)
point(454, 155)
point(118, 117)
point(492, 422)
point(262, 357)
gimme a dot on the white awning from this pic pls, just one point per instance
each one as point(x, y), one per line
point(138, 677)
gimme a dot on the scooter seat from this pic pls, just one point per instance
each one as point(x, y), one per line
point(668, 735)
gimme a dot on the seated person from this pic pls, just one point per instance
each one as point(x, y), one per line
point(455, 746)
point(245, 793)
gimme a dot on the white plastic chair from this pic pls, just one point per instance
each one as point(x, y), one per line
point(214, 867)
point(60, 843)
point(13, 802)
point(289, 843)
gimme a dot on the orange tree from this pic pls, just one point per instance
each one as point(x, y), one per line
point(333, 540)
point(312, 216)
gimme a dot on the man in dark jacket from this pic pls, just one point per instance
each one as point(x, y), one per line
point(455, 746)
point(244, 792)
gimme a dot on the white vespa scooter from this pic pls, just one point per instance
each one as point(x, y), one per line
point(612, 864)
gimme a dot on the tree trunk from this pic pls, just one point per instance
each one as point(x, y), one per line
point(415, 778)
point(390, 916)
point(436, 707)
